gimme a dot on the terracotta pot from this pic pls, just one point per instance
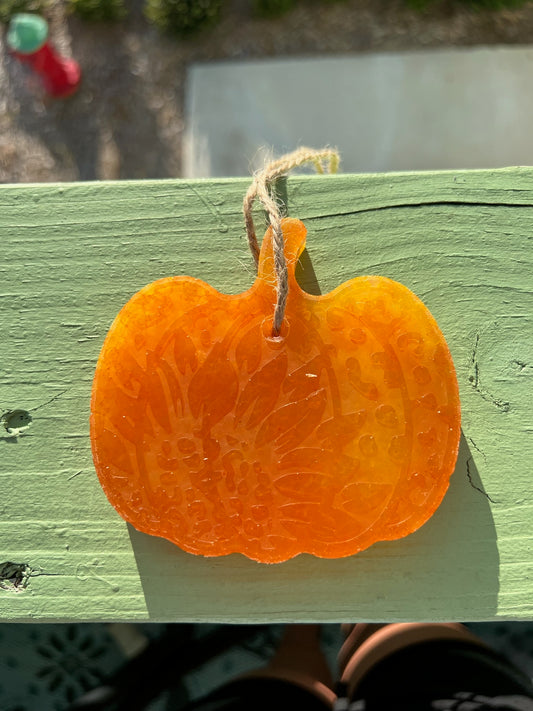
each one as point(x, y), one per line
point(365, 647)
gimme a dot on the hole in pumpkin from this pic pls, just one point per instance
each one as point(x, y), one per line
point(267, 329)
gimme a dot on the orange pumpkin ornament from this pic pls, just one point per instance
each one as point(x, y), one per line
point(340, 432)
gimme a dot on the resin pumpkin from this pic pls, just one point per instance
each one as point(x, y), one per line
point(209, 432)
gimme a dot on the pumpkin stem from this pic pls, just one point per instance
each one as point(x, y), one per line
point(261, 188)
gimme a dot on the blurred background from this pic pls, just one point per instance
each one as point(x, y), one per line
point(199, 88)
point(207, 87)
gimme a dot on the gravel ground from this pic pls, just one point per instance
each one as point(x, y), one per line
point(127, 119)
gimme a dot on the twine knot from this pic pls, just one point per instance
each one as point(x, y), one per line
point(261, 188)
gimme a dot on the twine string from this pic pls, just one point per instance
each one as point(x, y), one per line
point(261, 188)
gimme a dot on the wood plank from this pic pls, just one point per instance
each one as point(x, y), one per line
point(73, 254)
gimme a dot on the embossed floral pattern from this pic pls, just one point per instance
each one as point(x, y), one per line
point(209, 432)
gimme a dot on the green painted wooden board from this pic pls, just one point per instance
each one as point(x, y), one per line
point(71, 257)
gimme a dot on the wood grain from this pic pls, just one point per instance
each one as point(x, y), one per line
point(74, 254)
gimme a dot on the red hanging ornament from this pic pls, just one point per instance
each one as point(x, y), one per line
point(27, 41)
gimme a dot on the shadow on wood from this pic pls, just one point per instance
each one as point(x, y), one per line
point(448, 569)
point(306, 276)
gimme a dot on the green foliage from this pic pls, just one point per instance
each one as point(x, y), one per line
point(8, 8)
point(486, 4)
point(273, 8)
point(182, 17)
point(495, 4)
point(98, 10)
